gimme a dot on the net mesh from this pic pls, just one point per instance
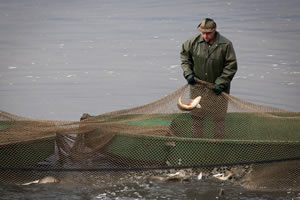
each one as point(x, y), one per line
point(258, 145)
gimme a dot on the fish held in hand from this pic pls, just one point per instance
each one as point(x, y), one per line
point(195, 103)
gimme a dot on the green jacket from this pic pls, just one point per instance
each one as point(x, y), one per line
point(215, 64)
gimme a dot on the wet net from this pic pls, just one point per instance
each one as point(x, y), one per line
point(257, 146)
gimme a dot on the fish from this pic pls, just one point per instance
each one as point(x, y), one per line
point(222, 176)
point(178, 176)
point(199, 177)
point(194, 103)
point(47, 179)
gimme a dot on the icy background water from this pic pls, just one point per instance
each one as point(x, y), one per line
point(60, 59)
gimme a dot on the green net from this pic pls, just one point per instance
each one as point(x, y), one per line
point(259, 146)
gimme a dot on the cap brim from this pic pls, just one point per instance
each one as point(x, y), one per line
point(206, 30)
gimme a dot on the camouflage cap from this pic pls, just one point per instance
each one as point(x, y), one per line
point(207, 25)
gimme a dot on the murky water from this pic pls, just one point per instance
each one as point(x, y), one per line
point(141, 189)
point(60, 59)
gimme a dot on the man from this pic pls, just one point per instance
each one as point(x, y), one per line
point(209, 57)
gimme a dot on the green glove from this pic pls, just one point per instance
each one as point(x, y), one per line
point(217, 89)
point(190, 79)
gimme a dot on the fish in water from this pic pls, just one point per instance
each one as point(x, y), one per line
point(195, 103)
point(47, 179)
point(223, 177)
point(178, 176)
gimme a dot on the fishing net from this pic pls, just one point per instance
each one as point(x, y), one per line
point(258, 146)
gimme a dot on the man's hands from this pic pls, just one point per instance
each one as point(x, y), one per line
point(191, 79)
point(217, 89)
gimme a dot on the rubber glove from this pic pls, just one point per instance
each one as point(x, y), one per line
point(217, 89)
point(191, 79)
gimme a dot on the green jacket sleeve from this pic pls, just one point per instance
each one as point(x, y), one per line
point(230, 68)
point(186, 58)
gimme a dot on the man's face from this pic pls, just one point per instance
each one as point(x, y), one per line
point(208, 36)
